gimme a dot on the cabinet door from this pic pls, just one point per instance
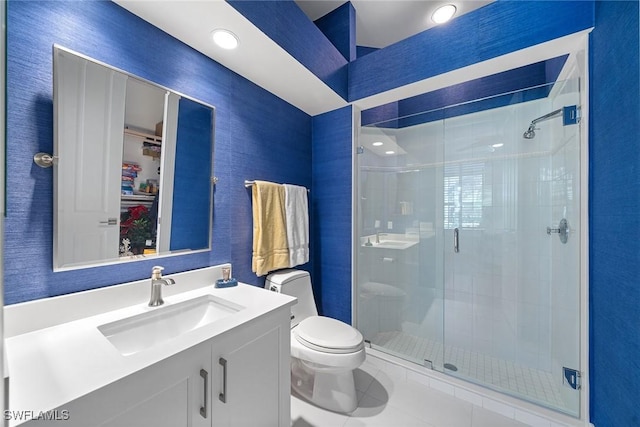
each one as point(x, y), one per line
point(167, 394)
point(252, 384)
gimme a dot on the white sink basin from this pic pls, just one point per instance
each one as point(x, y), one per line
point(162, 324)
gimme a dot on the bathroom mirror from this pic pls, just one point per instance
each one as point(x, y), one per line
point(133, 169)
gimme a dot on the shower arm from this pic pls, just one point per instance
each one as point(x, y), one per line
point(547, 116)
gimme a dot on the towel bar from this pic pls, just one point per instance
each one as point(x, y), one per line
point(248, 183)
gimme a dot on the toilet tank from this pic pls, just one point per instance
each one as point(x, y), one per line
point(296, 283)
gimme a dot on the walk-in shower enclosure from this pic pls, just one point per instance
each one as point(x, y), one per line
point(467, 256)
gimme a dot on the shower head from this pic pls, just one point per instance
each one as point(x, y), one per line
point(530, 133)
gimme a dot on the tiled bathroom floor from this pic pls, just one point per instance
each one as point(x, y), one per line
point(387, 398)
point(520, 380)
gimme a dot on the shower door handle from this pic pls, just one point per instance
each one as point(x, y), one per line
point(456, 240)
point(562, 230)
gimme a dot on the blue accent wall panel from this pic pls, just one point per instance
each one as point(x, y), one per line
point(192, 178)
point(108, 33)
point(271, 143)
point(339, 26)
point(286, 24)
point(493, 30)
point(614, 198)
point(532, 77)
point(473, 107)
point(364, 50)
point(386, 115)
point(331, 204)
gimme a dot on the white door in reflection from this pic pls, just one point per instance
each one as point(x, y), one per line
point(91, 106)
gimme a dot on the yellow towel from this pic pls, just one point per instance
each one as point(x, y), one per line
point(270, 248)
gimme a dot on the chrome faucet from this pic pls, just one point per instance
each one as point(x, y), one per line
point(378, 234)
point(156, 286)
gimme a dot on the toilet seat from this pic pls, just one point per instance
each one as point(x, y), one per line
point(328, 335)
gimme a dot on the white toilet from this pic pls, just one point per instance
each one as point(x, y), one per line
point(324, 351)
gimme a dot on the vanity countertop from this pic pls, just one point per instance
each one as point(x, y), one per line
point(51, 366)
point(395, 241)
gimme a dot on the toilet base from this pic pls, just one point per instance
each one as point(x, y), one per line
point(332, 389)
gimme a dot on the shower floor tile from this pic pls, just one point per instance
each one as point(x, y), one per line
point(506, 375)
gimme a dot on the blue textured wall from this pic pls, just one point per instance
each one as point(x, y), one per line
point(364, 50)
point(271, 142)
point(614, 196)
point(530, 82)
point(331, 205)
point(496, 29)
point(254, 132)
point(339, 26)
point(286, 24)
point(190, 218)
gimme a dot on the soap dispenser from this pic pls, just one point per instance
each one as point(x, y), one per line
point(226, 281)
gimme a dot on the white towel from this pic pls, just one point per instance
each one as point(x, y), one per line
point(297, 219)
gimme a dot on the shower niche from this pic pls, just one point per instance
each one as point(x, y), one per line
point(483, 292)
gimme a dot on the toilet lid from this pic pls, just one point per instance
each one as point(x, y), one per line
point(330, 335)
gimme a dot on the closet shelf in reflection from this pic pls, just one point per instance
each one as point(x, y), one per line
point(128, 201)
point(144, 136)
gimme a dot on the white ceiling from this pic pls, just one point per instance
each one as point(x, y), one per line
point(260, 60)
point(144, 105)
point(257, 58)
point(380, 23)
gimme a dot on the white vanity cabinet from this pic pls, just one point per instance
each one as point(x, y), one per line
point(238, 378)
point(167, 394)
point(256, 363)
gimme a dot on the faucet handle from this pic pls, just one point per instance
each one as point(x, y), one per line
point(156, 272)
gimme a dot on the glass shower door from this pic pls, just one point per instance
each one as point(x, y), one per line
point(464, 262)
point(511, 286)
point(399, 280)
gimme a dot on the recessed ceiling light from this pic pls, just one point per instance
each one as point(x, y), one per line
point(498, 145)
point(443, 14)
point(225, 39)
point(390, 152)
point(377, 144)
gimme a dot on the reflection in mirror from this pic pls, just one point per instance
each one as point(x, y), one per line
point(133, 176)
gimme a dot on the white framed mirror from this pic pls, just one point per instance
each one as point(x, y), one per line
point(133, 170)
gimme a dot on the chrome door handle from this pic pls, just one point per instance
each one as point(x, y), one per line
point(204, 409)
point(562, 231)
point(456, 240)
point(223, 396)
point(110, 221)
